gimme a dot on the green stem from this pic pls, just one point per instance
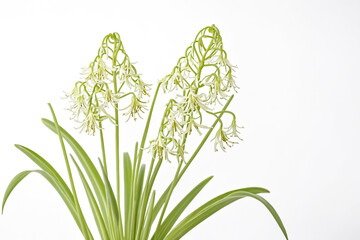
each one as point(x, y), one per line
point(102, 141)
point(142, 144)
point(137, 160)
point(117, 150)
point(169, 194)
point(103, 146)
point(204, 139)
point(144, 199)
point(83, 224)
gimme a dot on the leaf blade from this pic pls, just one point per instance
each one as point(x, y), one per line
point(146, 231)
point(212, 206)
point(113, 211)
point(93, 204)
point(170, 220)
point(89, 167)
point(127, 189)
point(68, 200)
point(13, 183)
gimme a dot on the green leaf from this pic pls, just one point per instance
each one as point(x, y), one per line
point(46, 166)
point(160, 203)
point(83, 222)
point(146, 230)
point(135, 211)
point(127, 188)
point(214, 205)
point(68, 199)
point(169, 222)
point(85, 161)
point(112, 209)
point(93, 204)
point(12, 185)
point(144, 200)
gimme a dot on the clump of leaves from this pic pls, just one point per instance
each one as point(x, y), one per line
point(204, 82)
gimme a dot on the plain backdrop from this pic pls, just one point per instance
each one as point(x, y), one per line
point(298, 72)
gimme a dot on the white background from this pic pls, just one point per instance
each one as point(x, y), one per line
point(298, 70)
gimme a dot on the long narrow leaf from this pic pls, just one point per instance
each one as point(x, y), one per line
point(83, 222)
point(146, 230)
point(212, 207)
point(173, 216)
point(46, 166)
point(144, 201)
point(12, 185)
point(85, 161)
point(68, 199)
point(111, 204)
point(160, 203)
point(135, 211)
point(93, 204)
point(127, 187)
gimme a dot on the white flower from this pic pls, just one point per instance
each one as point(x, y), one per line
point(96, 73)
point(101, 108)
point(159, 145)
point(127, 75)
point(90, 123)
point(87, 72)
point(173, 81)
point(195, 101)
point(220, 138)
point(135, 107)
point(173, 125)
point(142, 88)
point(193, 124)
point(110, 97)
point(223, 61)
point(79, 102)
point(231, 82)
point(232, 130)
point(216, 89)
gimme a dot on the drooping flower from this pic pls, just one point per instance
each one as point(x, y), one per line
point(221, 138)
point(87, 72)
point(127, 75)
point(90, 122)
point(160, 147)
point(134, 108)
point(174, 123)
point(195, 101)
point(142, 88)
point(191, 124)
point(217, 90)
point(231, 84)
point(79, 101)
point(232, 130)
point(110, 97)
point(223, 61)
point(102, 71)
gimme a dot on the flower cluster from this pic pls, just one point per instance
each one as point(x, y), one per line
point(204, 76)
point(104, 82)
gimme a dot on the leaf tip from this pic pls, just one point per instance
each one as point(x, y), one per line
point(45, 121)
point(18, 146)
